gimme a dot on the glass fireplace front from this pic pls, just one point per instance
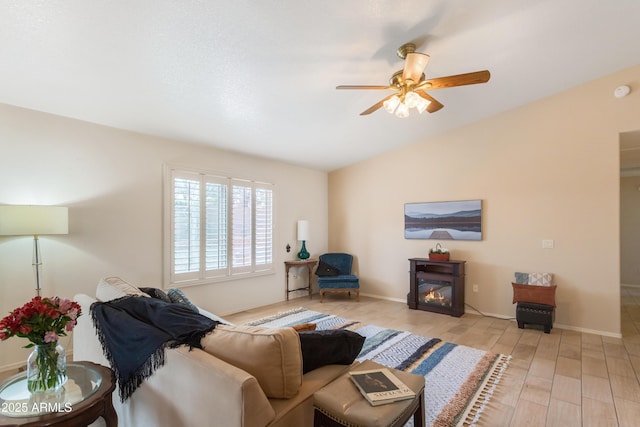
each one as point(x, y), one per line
point(437, 286)
point(434, 292)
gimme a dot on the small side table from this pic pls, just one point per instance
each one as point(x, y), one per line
point(84, 398)
point(340, 403)
point(309, 263)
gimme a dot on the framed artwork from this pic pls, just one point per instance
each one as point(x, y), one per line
point(459, 220)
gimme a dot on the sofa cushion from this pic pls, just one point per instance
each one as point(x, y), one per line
point(329, 347)
point(272, 356)
point(177, 296)
point(110, 288)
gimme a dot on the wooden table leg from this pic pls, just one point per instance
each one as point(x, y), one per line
point(110, 416)
point(286, 273)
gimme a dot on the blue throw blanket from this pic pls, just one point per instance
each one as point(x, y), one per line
point(134, 332)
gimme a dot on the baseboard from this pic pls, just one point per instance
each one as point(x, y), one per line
point(587, 331)
point(502, 316)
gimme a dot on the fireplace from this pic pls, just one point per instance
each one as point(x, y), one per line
point(437, 286)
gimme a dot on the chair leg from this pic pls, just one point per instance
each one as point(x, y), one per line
point(321, 295)
point(357, 295)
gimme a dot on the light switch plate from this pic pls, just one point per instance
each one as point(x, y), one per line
point(547, 244)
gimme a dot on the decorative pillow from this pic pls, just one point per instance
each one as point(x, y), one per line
point(534, 294)
point(538, 279)
point(156, 293)
point(325, 269)
point(177, 296)
point(110, 288)
point(329, 347)
point(271, 355)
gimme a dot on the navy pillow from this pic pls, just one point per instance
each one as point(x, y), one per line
point(156, 293)
point(329, 347)
point(325, 269)
point(177, 296)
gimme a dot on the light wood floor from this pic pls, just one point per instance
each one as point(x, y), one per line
point(563, 379)
point(560, 379)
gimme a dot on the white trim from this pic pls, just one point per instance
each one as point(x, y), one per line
point(511, 318)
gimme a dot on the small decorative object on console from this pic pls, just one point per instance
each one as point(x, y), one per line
point(43, 321)
point(439, 253)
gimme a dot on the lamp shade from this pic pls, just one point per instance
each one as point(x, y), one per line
point(33, 220)
point(303, 229)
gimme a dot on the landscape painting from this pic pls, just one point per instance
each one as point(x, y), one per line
point(459, 220)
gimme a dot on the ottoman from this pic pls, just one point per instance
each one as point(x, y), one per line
point(340, 403)
point(528, 313)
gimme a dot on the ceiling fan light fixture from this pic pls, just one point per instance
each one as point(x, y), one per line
point(422, 105)
point(412, 99)
point(402, 111)
point(391, 104)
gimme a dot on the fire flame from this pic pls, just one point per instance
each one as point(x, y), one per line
point(433, 295)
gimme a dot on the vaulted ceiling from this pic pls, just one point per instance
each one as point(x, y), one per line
point(259, 77)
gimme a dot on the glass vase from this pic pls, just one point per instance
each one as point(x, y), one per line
point(46, 368)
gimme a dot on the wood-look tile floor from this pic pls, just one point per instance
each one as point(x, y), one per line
point(564, 378)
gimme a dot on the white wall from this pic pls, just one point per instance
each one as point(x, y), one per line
point(548, 170)
point(111, 180)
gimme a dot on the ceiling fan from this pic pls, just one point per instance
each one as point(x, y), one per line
point(411, 86)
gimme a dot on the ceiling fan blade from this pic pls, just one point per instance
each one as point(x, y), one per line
point(434, 105)
point(364, 87)
point(457, 80)
point(375, 106)
point(414, 66)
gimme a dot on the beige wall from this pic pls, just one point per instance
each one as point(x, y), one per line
point(111, 181)
point(548, 170)
point(630, 230)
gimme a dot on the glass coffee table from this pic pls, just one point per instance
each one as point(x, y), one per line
point(84, 397)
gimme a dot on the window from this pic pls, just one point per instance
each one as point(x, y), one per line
point(216, 227)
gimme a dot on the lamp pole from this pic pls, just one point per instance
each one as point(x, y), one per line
point(37, 261)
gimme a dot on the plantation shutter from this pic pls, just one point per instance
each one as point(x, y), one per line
point(216, 243)
point(264, 227)
point(218, 227)
point(186, 226)
point(241, 228)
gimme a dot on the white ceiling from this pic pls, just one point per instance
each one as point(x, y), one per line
point(259, 77)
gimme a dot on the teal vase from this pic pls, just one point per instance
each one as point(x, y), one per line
point(303, 254)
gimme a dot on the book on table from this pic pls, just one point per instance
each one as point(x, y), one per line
point(380, 386)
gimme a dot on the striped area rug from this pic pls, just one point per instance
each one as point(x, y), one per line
point(459, 380)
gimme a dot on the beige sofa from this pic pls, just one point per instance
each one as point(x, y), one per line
point(196, 388)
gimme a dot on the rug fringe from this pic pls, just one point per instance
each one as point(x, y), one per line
point(481, 398)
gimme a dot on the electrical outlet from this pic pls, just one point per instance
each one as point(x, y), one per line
point(475, 288)
point(547, 244)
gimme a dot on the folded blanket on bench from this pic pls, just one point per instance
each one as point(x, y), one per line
point(134, 332)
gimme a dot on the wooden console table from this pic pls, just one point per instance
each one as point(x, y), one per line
point(309, 263)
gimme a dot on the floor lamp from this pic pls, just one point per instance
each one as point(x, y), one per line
point(34, 221)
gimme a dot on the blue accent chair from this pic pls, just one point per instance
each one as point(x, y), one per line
point(344, 281)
